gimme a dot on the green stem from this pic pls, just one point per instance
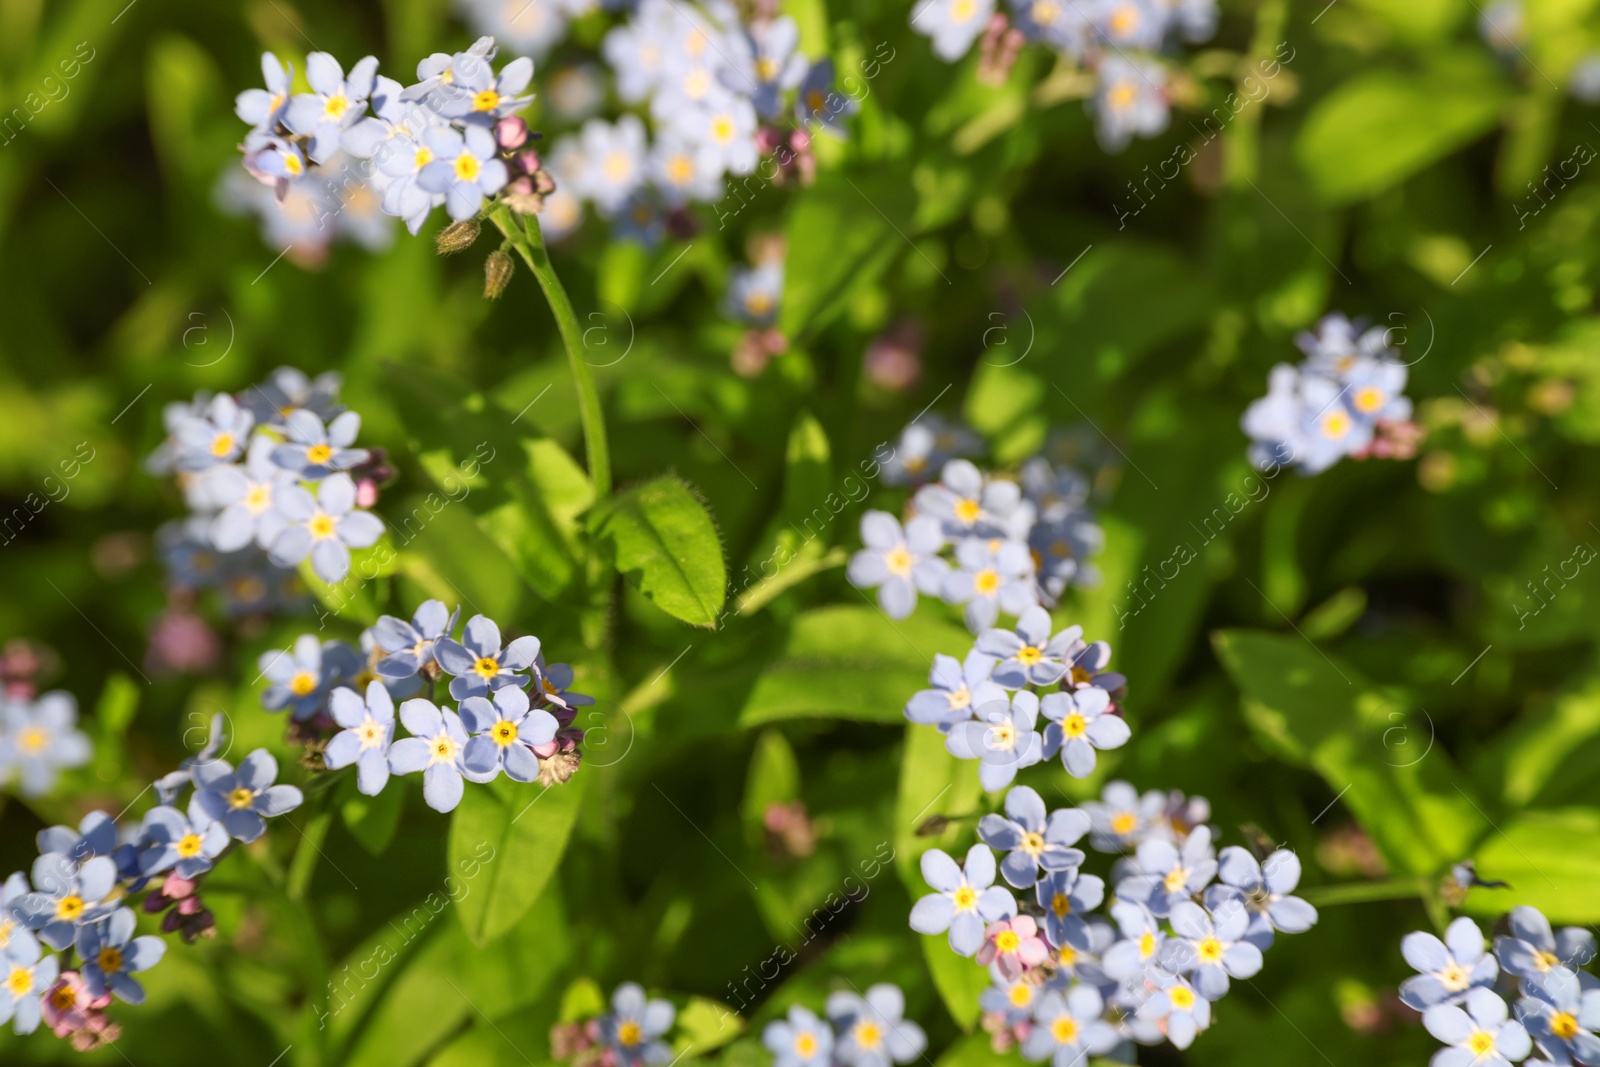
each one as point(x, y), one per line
point(304, 862)
point(528, 240)
point(1364, 892)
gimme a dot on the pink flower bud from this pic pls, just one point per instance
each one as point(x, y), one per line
point(511, 132)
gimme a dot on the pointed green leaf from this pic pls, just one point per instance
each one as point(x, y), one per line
point(661, 537)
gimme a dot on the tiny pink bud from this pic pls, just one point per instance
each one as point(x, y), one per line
point(511, 132)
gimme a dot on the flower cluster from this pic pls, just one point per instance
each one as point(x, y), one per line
point(342, 703)
point(722, 91)
point(1115, 39)
point(271, 477)
point(988, 705)
point(39, 737)
point(631, 1034)
point(1345, 399)
point(450, 139)
point(1068, 983)
point(859, 1031)
point(77, 899)
point(1014, 543)
point(754, 297)
point(1459, 986)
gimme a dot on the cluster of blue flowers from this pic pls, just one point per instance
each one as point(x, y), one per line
point(988, 706)
point(39, 738)
point(1069, 984)
point(1117, 39)
point(868, 1030)
point(343, 702)
point(1345, 399)
point(720, 89)
point(271, 477)
point(1461, 990)
point(632, 1034)
point(450, 139)
point(1014, 543)
point(77, 897)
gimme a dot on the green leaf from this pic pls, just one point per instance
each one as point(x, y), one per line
point(372, 821)
point(774, 778)
point(582, 1000)
point(705, 1025)
point(119, 702)
point(959, 980)
point(838, 239)
point(516, 834)
point(976, 1050)
point(355, 596)
point(1379, 758)
point(661, 537)
point(1551, 859)
point(850, 662)
point(1377, 129)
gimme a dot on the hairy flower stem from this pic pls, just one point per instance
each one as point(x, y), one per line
point(528, 240)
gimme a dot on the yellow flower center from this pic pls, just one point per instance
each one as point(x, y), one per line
point(109, 959)
point(1455, 978)
point(32, 739)
point(486, 667)
point(319, 453)
point(1210, 950)
point(968, 511)
point(1007, 941)
point(722, 128)
point(1074, 725)
point(504, 733)
point(189, 846)
point(1028, 655)
point(962, 10)
point(966, 898)
point(487, 100)
point(1369, 399)
point(467, 167)
point(1003, 735)
point(1335, 424)
point(1068, 954)
point(1176, 879)
point(1147, 945)
point(766, 68)
point(1020, 995)
point(304, 683)
point(322, 526)
point(960, 698)
point(680, 169)
point(805, 1044)
point(1125, 20)
point(20, 982)
point(1481, 1042)
point(816, 101)
point(1182, 996)
point(868, 1035)
point(241, 798)
point(1060, 905)
point(336, 106)
point(1121, 96)
point(371, 733)
point(1032, 843)
point(1123, 822)
point(444, 748)
point(1564, 1026)
point(618, 166)
point(292, 164)
point(258, 498)
point(423, 157)
point(630, 1033)
point(986, 581)
point(69, 907)
point(1544, 960)
point(1044, 12)
point(63, 998)
point(222, 444)
point(1064, 1029)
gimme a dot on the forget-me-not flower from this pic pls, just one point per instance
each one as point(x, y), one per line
point(958, 688)
point(926, 445)
point(1533, 950)
point(800, 1040)
point(1121, 818)
point(1081, 725)
point(1140, 945)
point(635, 1026)
point(873, 1030)
point(1562, 1017)
point(1066, 897)
point(245, 493)
point(325, 527)
point(66, 895)
point(96, 835)
point(1012, 1001)
point(1031, 838)
point(335, 103)
point(991, 577)
point(27, 976)
point(818, 105)
point(464, 168)
point(1003, 738)
point(1449, 969)
point(1028, 655)
point(188, 845)
point(1210, 947)
point(965, 898)
point(1480, 1035)
point(262, 108)
point(410, 645)
point(368, 732)
point(753, 295)
point(112, 956)
point(435, 747)
point(1130, 100)
point(1263, 889)
point(1011, 947)
point(1181, 1011)
point(1168, 874)
point(968, 504)
point(506, 730)
point(299, 678)
point(315, 451)
point(217, 436)
point(613, 161)
point(952, 24)
point(242, 800)
point(478, 661)
point(899, 563)
point(41, 738)
point(1068, 1029)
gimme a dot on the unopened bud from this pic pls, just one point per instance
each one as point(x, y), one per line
point(457, 237)
point(933, 826)
point(497, 271)
point(559, 768)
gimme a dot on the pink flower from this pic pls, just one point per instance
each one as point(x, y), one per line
point(1013, 946)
